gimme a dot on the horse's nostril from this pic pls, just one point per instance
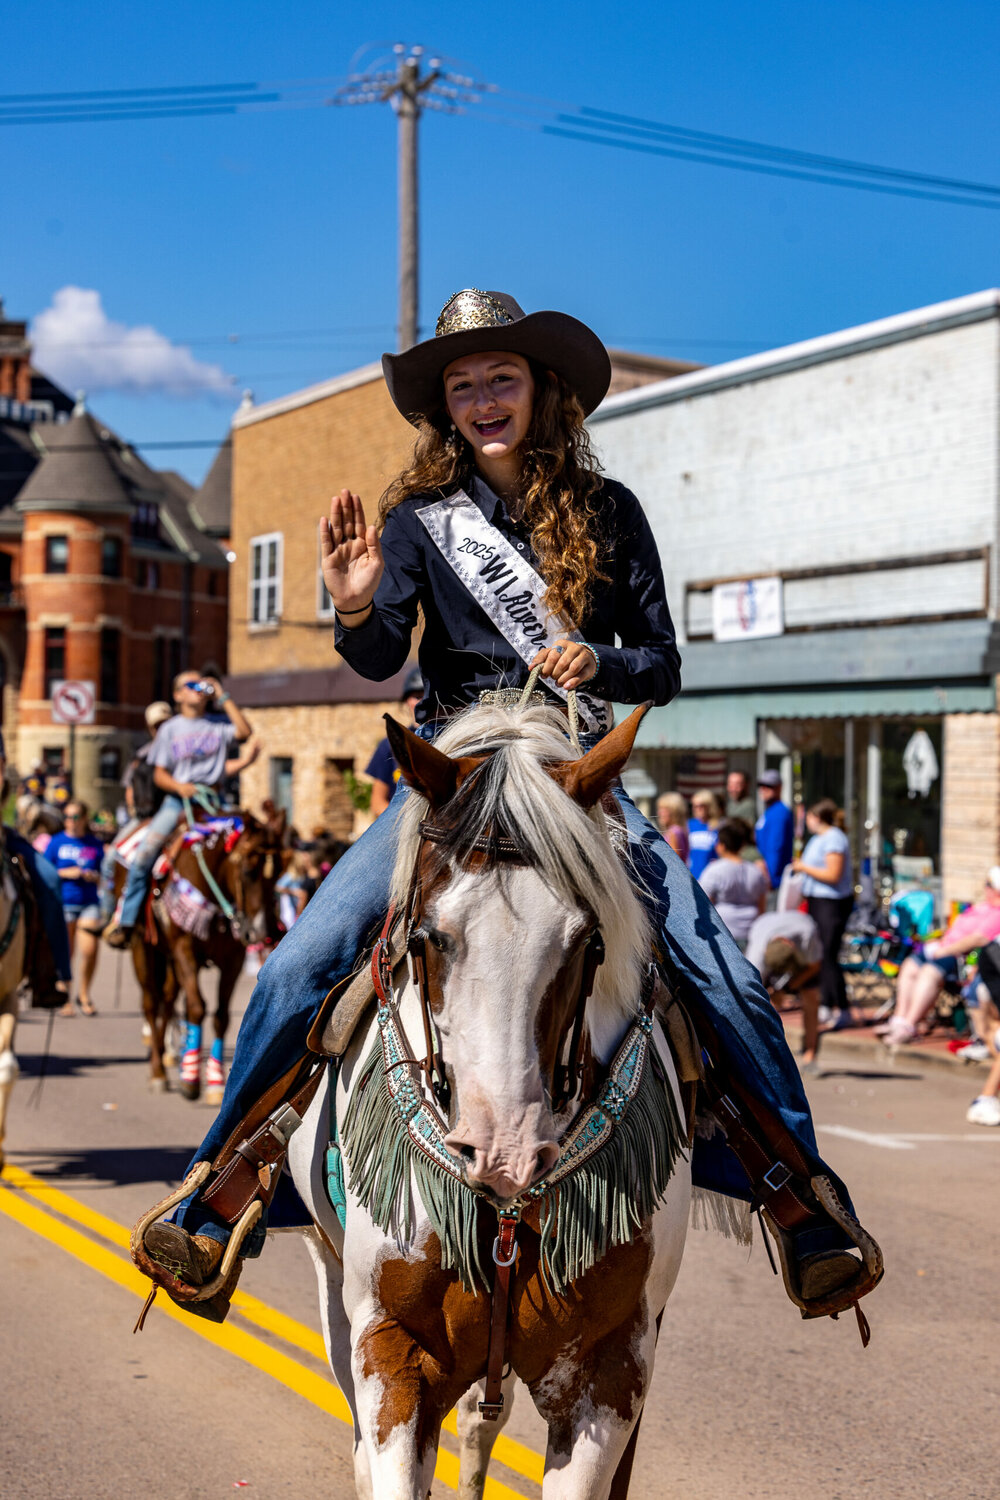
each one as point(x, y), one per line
point(468, 1152)
point(546, 1159)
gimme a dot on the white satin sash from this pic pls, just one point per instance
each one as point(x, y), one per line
point(506, 587)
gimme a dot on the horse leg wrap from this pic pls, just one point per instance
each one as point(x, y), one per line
point(191, 1056)
point(215, 1076)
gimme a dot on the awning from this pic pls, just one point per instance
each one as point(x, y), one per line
point(728, 721)
point(945, 651)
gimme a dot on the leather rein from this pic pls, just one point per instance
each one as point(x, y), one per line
point(566, 1084)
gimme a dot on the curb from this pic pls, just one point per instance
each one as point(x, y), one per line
point(870, 1048)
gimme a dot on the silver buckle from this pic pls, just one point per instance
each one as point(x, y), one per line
point(284, 1121)
point(779, 1166)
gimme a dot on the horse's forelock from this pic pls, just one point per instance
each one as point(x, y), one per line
point(512, 795)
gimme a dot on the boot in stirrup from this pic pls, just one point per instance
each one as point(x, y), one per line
point(832, 1281)
point(195, 1271)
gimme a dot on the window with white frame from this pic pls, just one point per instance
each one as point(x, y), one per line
point(265, 578)
point(324, 604)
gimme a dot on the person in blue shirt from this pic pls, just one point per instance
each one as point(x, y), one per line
point(77, 855)
point(515, 552)
point(49, 962)
point(382, 767)
point(775, 828)
point(703, 826)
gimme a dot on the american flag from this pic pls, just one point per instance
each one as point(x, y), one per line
point(701, 770)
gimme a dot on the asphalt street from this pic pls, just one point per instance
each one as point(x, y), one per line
point(748, 1400)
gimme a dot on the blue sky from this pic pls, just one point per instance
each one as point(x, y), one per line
point(280, 227)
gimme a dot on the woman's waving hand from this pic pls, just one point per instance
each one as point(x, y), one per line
point(351, 558)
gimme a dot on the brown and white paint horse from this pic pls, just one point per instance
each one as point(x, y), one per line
point(169, 960)
point(504, 947)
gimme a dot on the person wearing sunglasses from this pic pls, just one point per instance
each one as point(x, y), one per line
point(76, 855)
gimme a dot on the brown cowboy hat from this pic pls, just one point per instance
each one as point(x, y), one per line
point(474, 322)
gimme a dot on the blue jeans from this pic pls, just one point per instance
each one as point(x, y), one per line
point(109, 864)
point(323, 946)
point(161, 827)
point(47, 887)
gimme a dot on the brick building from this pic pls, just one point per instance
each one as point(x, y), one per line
point(318, 719)
point(107, 574)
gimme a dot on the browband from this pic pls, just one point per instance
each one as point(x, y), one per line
point(499, 846)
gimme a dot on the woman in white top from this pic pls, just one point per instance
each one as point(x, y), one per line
point(829, 893)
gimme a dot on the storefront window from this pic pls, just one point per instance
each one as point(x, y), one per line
point(911, 793)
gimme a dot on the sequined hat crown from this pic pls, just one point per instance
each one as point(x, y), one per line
point(475, 322)
point(472, 308)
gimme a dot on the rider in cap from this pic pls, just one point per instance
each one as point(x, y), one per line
point(520, 554)
point(188, 756)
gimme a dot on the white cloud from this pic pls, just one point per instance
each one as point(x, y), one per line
point(78, 345)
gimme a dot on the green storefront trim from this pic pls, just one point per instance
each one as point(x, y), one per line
point(728, 721)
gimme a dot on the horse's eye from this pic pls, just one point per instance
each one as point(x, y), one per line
point(438, 940)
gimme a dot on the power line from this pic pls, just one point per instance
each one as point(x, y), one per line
point(139, 93)
point(647, 148)
point(355, 330)
point(608, 121)
point(446, 90)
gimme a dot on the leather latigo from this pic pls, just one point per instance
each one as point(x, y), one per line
point(255, 1159)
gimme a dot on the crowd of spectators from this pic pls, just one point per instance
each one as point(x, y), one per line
point(790, 912)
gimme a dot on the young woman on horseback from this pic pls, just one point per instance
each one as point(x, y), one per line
point(520, 554)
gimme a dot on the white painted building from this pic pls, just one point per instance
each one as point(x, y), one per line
point(861, 470)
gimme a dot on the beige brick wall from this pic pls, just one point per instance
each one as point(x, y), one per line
point(970, 811)
point(285, 469)
point(316, 736)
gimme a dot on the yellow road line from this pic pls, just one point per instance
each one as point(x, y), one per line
point(321, 1392)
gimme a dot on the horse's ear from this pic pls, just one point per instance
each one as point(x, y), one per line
point(587, 779)
point(426, 769)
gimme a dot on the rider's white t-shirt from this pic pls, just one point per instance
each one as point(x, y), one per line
point(194, 749)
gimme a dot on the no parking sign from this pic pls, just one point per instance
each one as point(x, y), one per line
point(73, 701)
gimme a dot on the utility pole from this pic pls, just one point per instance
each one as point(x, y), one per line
point(407, 96)
point(410, 87)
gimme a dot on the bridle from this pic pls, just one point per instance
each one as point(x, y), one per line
point(567, 1079)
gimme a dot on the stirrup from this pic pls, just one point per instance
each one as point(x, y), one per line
point(179, 1291)
point(870, 1271)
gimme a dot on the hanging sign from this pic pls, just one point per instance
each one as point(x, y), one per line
point(73, 701)
point(747, 609)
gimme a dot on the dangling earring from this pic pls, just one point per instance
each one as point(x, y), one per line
point(452, 438)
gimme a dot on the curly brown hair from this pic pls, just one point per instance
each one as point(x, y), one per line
point(561, 479)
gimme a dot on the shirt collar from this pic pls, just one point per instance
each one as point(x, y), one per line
point(488, 500)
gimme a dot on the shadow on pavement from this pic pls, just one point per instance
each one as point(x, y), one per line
point(891, 1077)
point(114, 1167)
point(68, 1067)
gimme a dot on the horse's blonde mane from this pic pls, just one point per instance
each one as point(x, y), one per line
point(571, 848)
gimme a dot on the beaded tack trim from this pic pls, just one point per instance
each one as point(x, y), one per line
point(591, 1129)
point(471, 309)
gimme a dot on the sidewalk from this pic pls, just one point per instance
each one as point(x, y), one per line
point(861, 1042)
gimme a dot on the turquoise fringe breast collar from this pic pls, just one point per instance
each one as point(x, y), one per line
point(615, 1161)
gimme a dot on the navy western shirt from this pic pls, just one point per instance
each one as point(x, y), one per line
point(462, 652)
